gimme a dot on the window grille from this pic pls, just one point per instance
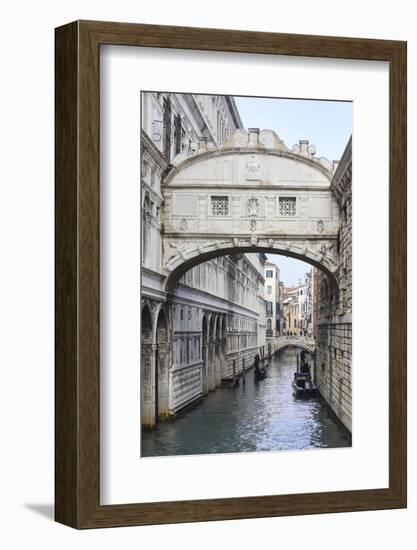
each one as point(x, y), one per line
point(287, 206)
point(220, 205)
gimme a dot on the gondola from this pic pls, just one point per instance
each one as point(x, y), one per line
point(302, 384)
point(259, 374)
point(260, 368)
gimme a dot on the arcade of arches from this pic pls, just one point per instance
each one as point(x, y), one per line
point(207, 224)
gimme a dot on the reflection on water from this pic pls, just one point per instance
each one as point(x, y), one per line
point(253, 417)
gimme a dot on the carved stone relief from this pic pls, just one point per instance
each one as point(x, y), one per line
point(320, 226)
point(253, 206)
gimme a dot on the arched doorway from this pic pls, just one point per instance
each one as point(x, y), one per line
point(211, 354)
point(223, 350)
point(217, 353)
point(147, 369)
point(161, 365)
point(204, 354)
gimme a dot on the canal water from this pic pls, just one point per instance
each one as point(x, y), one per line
point(260, 416)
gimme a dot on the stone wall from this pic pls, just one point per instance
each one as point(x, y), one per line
point(334, 318)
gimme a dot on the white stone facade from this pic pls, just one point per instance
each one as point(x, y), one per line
point(272, 299)
point(305, 305)
point(208, 328)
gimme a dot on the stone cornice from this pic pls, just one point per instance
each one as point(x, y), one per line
point(152, 274)
point(229, 151)
point(150, 149)
point(341, 185)
point(225, 305)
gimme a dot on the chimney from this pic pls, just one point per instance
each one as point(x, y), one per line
point(303, 146)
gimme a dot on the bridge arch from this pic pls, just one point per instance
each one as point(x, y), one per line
point(195, 256)
point(302, 342)
point(252, 195)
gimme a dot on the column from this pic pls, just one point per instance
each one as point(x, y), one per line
point(211, 365)
point(148, 385)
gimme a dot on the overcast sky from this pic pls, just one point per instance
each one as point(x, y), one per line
point(291, 270)
point(326, 124)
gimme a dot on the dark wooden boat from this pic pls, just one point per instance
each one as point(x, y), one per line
point(260, 367)
point(259, 374)
point(303, 386)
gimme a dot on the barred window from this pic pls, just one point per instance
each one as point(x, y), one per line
point(287, 206)
point(219, 205)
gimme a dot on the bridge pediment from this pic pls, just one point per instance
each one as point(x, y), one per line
point(249, 160)
point(250, 167)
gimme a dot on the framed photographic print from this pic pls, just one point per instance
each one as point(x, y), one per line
point(230, 274)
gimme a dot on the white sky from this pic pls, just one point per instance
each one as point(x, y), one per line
point(291, 270)
point(326, 124)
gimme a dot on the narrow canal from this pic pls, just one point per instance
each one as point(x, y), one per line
point(259, 416)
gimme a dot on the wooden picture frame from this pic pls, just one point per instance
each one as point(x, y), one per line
point(77, 404)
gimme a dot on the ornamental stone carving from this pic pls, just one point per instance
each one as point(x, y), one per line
point(176, 247)
point(253, 168)
point(253, 206)
point(239, 138)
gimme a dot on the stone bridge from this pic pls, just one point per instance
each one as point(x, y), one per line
point(252, 195)
point(282, 342)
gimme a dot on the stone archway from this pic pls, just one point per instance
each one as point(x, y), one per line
point(211, 353)
point(323, 259)
point(161, 365)
point(204, 354)
point(217, 353)
point(147, 368)
point(252, 195)
point(223, 349)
